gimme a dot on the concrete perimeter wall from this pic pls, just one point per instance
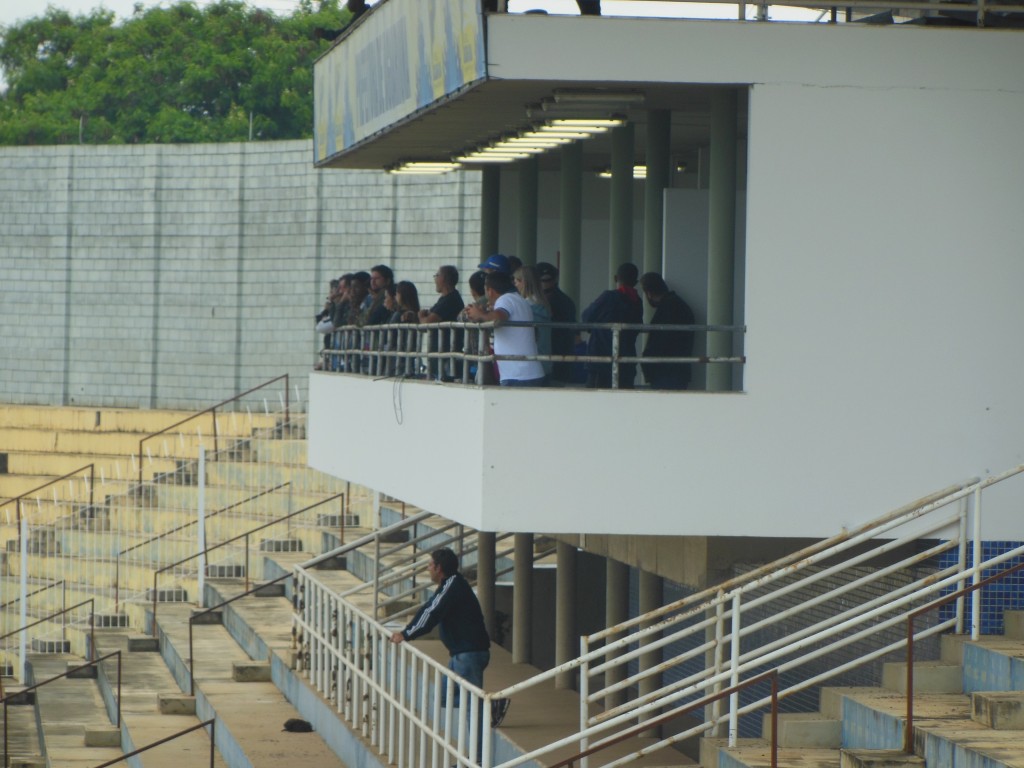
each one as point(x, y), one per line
point(177, 276)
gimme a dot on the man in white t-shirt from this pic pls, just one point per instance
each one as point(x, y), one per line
point(515, 341)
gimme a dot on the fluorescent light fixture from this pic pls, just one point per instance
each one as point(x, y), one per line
point(549, 131)
point(423, 168)
point(489, 158)
point(586, 124)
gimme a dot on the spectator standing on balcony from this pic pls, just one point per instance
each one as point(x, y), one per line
point(563, 310)
point(669, 309)
point(478, 342)
point(445, 310)
point(496, 262)
point(621, 304)
point(408, 300)
point(526, 284)
point(455, 610)
point(381, 279)
point(518, 341)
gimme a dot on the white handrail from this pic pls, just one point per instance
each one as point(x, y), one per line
point(407, 699)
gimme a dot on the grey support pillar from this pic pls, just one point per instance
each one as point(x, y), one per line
point(570, 236)
point(522, 600)
point(616, 611)
point(620, 235)
point(526, 242)
point(651, 591)
point(659, 169)
point(567, 645)
point(490, 206)
point(721, 234)
point(485, 577)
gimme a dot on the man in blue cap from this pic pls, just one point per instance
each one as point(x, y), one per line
point(497, 262)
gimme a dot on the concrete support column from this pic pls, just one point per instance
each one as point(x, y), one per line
point(659, 170)
point(567, 645)
point(522, 600)
point(490, 207)
point(570, 234)
point(526, 242)
point(620, 235)
point(485, 577)
point(721, 233)
point(616, 611)
point(651, 591)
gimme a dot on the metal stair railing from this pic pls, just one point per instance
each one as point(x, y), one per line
point(21, 633)
point(212, 413)
point(390, 698)
point(91, 663)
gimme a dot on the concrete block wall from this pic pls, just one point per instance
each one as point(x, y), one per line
point(175, 276)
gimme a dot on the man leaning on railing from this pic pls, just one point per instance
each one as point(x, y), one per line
point(454, 609)
point(511, 341)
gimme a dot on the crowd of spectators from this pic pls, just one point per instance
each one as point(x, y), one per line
point(503, 291)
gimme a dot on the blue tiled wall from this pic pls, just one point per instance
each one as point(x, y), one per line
point(1006, 594)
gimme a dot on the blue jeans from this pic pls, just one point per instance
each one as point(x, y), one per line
point(470, 665)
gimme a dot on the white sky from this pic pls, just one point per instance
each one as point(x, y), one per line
point(19, 10)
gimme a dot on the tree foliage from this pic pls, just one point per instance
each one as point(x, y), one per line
point(176, 74)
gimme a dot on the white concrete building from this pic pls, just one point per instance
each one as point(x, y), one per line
point(851, 196)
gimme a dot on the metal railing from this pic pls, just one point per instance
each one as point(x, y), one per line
point(908, 733)
point(460, 352)
point(22, 632)
point(244, 536)
point(848, 12)
point(25, 691)
point(213, 740)
point(773, 617)
point(212, 413)
point(177, 529)
point(772, 676)
point(81, 483)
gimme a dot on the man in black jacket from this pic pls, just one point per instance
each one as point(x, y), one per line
point(669, 309)
point(454, 608)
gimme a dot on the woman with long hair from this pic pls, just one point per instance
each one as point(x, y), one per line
point(529, 288)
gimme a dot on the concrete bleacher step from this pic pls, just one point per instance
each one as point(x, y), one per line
point(23, 746)
point(756, 753)
point(805, 729)
point(999, 710)
point(152, 706)
point(879, 758)
point(250, 715)
point(929, 676)
point(76, 730)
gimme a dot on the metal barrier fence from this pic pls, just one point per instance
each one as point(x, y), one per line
point(461, 352)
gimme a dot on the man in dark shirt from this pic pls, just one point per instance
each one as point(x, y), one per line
point(621, 304)
point(669, 309)
point(563, 310)
point(446, 310)
point(455, 610)
point(381, 278)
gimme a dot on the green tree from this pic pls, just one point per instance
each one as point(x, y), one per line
point(177, 74)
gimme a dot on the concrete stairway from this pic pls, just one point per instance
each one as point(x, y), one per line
point(152, 706)
point(968, 711)
point(76, 728)
point(239, 691)
point(538, 717)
